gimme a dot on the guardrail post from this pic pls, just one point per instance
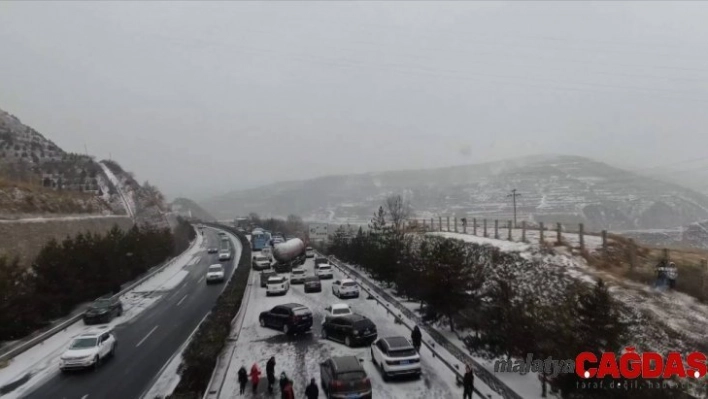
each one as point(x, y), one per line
point(508, 224)
point(558, 234)
point(485, 227)
point(523, 231)
point(496, 229)
point(581, 236)
point(455, 224)
point(432, 224)
point(540, 233)
point(440, 222)
point(474, 226)
point(448, 223)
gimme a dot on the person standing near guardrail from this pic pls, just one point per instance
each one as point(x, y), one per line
point(468, 383)
point(416, 337)
point(242, 379)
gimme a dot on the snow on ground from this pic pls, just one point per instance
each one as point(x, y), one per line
point(592, 242)
point(42, 361)
point(127, 200)
point(172, 275)
point(502, 245)
point(300, 356)
point(59, 218)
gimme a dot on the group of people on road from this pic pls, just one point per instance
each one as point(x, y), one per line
point(666, 274)
point(286, 384)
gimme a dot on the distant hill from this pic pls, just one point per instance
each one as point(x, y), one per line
point(38, 177)
point(188, 208)
point(553, 188)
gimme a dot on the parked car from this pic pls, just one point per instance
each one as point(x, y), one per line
point(297, 276)
point(213, 250)
point(309, 252)
point(260, 262)
point(351, 330)
point(289, 318)
point(395, 356)
point(324, 271)
point(345, 288)
point(88, 350)
point(344, 377)
point(338, 309)
point(215, 274)
point(265, 275)
point(103, 310)
point(312, 284)
point(225, 255)
point(277, 285)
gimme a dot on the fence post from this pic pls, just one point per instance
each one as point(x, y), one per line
point(496, 229)
point(432, 224)
point(523, 231)
point(464, 226)
point(485, 227)
point(440, 222)
point(509, 227)
point(474, 226)
point(632, 254)
point(424, 226)
point(667, 255)
point(455, 224)
point(558, 233)
point(448, 223)
point(540, 233)
point(581, 236)
point(604, 242)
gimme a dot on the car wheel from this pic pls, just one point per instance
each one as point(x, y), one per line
point(385, 375)
point(262, 321)
point(324, 334)
point(348, 342)
point(96, 362)
point(286, 329)
point(112, 353)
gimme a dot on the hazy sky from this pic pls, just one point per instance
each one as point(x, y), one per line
point(203, 98)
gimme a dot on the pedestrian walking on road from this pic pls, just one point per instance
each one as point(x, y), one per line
point(416, 337)
point(242, 379)
point(270, 373)
point(468, 383)
point(312, 391)
point(255, 376)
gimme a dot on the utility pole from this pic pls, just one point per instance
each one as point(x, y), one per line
point(513, 195)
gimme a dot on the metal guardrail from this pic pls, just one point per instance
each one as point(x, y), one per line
point(483, 374)
point(66, 323)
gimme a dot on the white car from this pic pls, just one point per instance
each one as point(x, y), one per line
point(345, 288)
point(225, 255)
point(338, 309)
point(277, 285)
point(324, 270)
point(297, 276)
point(89, 349)
point(395, 356)
point(215, 273)
point(261, 262)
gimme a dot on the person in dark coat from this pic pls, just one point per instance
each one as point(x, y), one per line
point(283, 381)
point(242, 379)
point(270, 373)
point(416, 337)
point(468, 383)
point(312, 391)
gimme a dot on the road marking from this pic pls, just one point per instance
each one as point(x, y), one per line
point(183, 298)
point(146, 337)
point(201, 279)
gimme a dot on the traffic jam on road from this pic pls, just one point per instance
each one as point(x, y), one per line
point(317, 324)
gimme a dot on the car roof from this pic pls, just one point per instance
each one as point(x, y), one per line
point(95, 332)
point(341, 306)
point(312, 278)
point(293, 305)
point(215, 265)
point(345, 364)
point(276, 278)
point(347, 280)
point(354, 317)
point(397, 343)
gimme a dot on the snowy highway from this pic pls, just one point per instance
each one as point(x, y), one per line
point(160, 315)
point(299, 356)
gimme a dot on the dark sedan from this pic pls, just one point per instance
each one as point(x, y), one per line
point(313, 284)
point(102, 310)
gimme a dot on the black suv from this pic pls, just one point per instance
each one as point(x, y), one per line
point(313, 284)
point(102, 310)
point(344, 377)
point(351, 329)
point(290, 318)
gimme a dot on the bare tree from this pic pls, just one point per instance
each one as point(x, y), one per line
point(399, 211)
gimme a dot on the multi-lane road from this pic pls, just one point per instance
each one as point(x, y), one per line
point(299, 357)
point(147, 342)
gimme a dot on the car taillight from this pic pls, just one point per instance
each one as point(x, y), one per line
point(337, 384)
point(367, 382)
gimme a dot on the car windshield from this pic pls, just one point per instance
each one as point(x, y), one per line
point(341, 311)
point(349, 284)
point(83, 343)
point(364, 324)
point(275, 280)
point(351, 376)
point(312, 280)
point(214, 268)
point(103, 303)
point(401, 353)
point(325, 267)
point(301, 311)
point(298, 272)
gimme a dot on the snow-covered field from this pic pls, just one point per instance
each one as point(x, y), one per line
point(592, 242)
point(300, 356)
point(128, 201)
point(42, 361)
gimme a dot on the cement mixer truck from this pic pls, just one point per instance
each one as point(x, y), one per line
point(289, 254)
